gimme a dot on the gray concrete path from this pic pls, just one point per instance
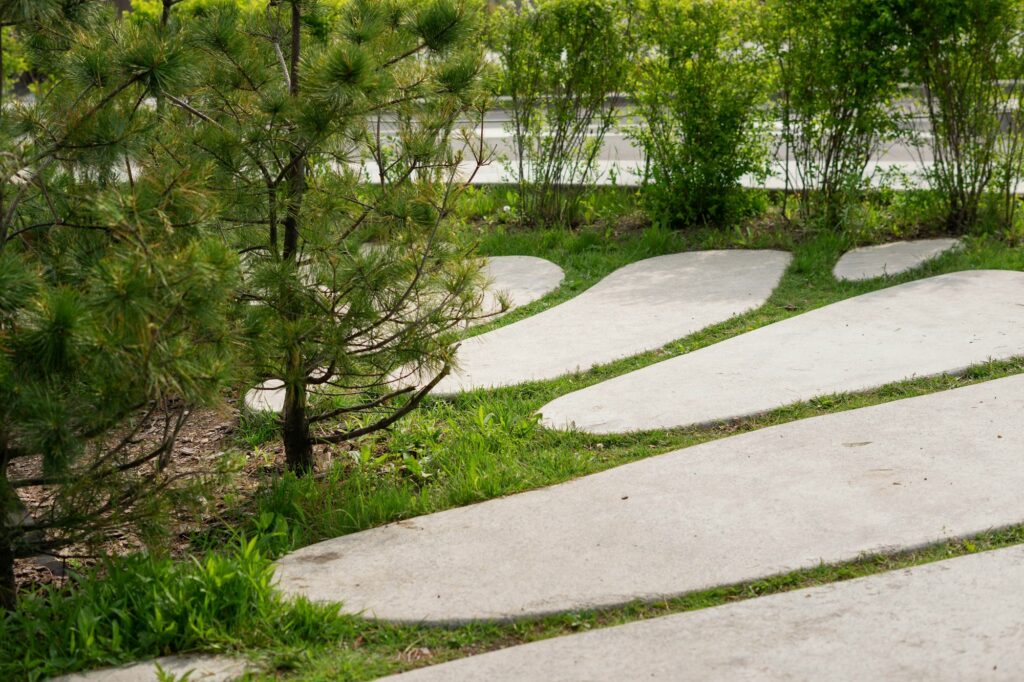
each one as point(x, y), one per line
point(959, 619)
point(266, 397)
point(890, 259)
point(199, 668)
point(520, 279)
point(927, 327)
point(637, 308)
point(827, 489)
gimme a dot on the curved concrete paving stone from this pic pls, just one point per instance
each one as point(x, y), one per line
point(199, 668)
point(890, 259)
point(522, 279)
point(637, 308)
point(927, 327)
point(826, 489)
point(266, 397)
point(959, 619)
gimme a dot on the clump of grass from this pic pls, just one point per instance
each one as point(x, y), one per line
point(256, 428)
point(142, 606)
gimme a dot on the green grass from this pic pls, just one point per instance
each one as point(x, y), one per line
point(485, 444)
point(464, 457)
point(141, 606)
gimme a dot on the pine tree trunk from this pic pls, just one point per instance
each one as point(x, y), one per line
point(298, 447)
point(2, 79)
point(9, 504)
point(8, 587)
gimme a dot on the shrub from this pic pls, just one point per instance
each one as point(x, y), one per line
point(698, 88)
point(958, 51)
point(561, 60)
point(162, 9)
point(1010, 145)
point(838, 69)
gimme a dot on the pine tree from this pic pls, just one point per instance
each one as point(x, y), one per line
point(312, 140)
point(115, 291)
point(354, 277)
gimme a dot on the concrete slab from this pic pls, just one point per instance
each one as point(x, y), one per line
point(890, 259)
point(959, 619)
point(927, 327)
point(637, 308)
point(826, 489)
point(199, 668)
point(266, 397)
point(521, 279)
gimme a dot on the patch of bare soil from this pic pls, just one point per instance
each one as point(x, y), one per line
point(205, 449)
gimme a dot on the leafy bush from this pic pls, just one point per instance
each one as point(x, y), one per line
point(1010, 145)
point(144, 606)
point(838, 69)
point(562, 59)
point(698, 87)
point(959, 50)
point(154, 9)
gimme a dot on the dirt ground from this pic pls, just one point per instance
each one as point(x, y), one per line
point(199, 450)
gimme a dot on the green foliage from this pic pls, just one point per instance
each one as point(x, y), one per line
point(333, 172)
point(144, 606)
point(149, 10)
point(441, 25)
point(114, 323)
point(15, 60)
point(561, 61)
point(1009, 153)
point(838, 68)
point(959, 51)
point(17, 41)
point(699, 87)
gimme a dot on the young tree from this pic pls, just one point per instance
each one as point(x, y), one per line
point(113, 295)
point(329, 133)
point(1009, 170)
point(562, 61)
point(838, 67)
point(959, 51)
